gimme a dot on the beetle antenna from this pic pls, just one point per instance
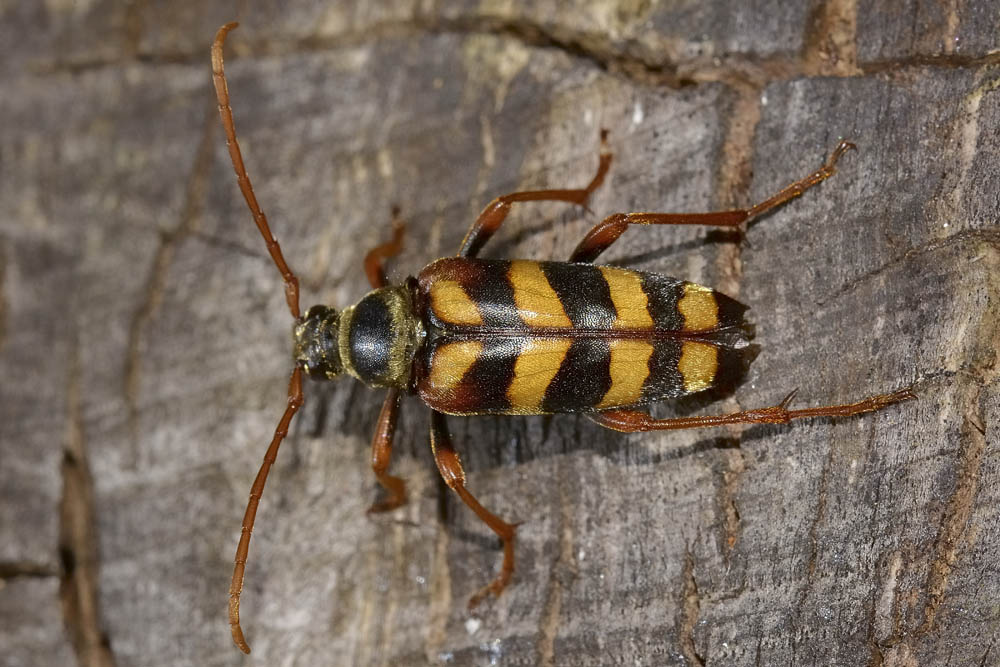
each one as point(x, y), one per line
point(226, 113)
point(295, 401)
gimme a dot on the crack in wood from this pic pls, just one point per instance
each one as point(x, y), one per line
point(735, 463)
point(563, 570)
point(690, 610)
point(830, 44)
point(441, 602)
point(885, 619)
point(16, 569)
point(132, 38)
point(800, 609)
point(734, 178)
point(4, 305)
point(829, 50)
point(989, 649)
point(196, 190)
point(952, 538)
point(875, 656)
point(78, 542)
point(821, 500)
point(925, 62)
point(951, 200)
point(988, 236)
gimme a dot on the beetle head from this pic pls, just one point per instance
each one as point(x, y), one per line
point(315, 337)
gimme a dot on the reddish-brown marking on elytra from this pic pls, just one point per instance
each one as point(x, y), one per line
point(449, 364)
point(452, 304)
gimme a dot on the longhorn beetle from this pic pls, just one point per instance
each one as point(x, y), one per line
point(518, 337)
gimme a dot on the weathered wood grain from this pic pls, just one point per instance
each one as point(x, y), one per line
point(144, 341)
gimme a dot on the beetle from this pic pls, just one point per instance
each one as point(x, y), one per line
point(518, 337)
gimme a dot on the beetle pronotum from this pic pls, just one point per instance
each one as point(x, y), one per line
point(520, 337)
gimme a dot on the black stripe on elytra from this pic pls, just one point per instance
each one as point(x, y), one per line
point(584, 377)
point(487, 286)
point(730, 310)
point(664, 380)
point(584, 294)
point(732, 366)
point(484, 386)
point(663, 293)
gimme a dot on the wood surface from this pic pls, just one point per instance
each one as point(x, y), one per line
point(145, 345)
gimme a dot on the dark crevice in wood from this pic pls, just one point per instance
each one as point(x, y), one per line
point(591, 47)
point(806, 585)
point(563, 570)
point(894, 567)
point(830, 44)
point(78, 542)
point(441, 600)
point(133, 27)
point(735, 174)
point(735, 465)
point(986, 655)
point(4, 305)
point(594, 48)
point(821, 499)
point(875, 656)
point(690, 610)
point(16, 569)
point(829, 50)
point(988, 236)
point(938, 62)
point(196, 190)
point(228, 244)
point(953, 537)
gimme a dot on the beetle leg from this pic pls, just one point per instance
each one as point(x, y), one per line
point(295, 401)
point(631, 421)
point(608, 230)
point(496, 211)
point(376, 257)
point(382, 452)
point(450, 467)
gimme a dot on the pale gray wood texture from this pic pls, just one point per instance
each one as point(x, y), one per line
point(144, 340)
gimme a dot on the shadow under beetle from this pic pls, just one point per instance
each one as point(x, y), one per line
point(520, 337)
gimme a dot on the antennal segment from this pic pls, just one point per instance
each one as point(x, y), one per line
point(226, 114)
point(295, 401)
